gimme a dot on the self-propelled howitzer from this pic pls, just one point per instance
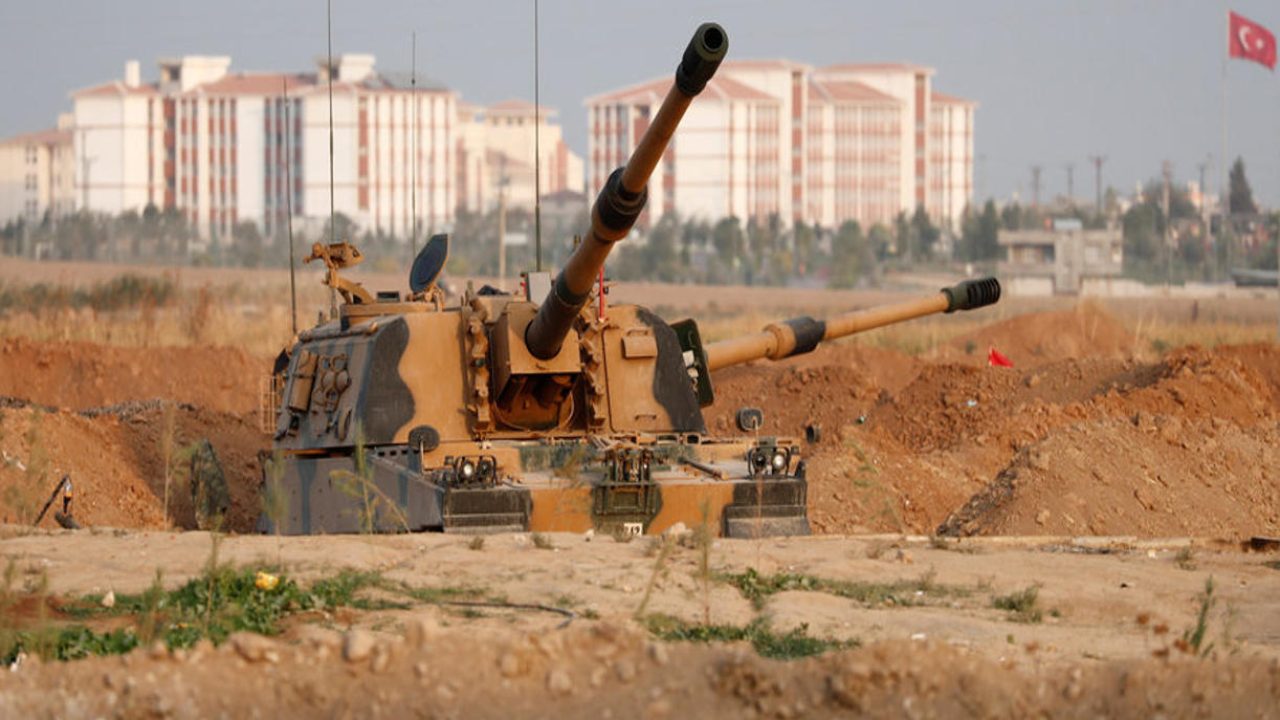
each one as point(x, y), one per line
point(535, 411)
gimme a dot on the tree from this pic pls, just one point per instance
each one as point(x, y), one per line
point(730, 243)
point(661, 261)
point(1142, 228)
point(803, 240)
point(988, 246)
point(246, 244)
point(924, 233)
point(346, 229)
point(852, 256)
point(1240, 198)
point(901, 237)
point(881, 241)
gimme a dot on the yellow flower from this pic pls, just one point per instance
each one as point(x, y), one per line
point(266, 581)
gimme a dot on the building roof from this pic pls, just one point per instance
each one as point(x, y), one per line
point(765, 64)
point(254, 84)
point(652, 91)
point(945, 99)
point(849, 91)
point(49, 136)
point(402, 81)
point(878, 67)
point(523, 108)
point(115, 87)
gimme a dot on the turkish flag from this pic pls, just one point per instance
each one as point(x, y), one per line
point(1248, 40)
point(995, 358)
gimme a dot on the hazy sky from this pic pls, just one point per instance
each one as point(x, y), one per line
point(1136, 80)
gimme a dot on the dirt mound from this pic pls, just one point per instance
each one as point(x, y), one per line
point(577, 672)
point(1153, 476)
point(830, 387)
point(905, 459)
point(1034, 339)
point(85, 375)
point(116, 461)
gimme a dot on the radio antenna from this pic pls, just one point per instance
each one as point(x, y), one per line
point(333, 224)
point(288, 199)
point(537, 151)
point(413, 84)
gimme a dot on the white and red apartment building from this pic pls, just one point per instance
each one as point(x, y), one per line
point(496, 153)
point(824, 145)
point(37, 174)
point(224, 148)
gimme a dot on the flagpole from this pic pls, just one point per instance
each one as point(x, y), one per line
point(1223, 190)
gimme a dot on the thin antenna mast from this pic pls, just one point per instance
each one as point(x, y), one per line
point(537, 151)
point(333, 225)
point(288, 199)
point(413, 84)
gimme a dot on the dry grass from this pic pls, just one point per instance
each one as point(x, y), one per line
point(249, 309)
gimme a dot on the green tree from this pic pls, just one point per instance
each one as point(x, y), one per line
point(1240, 195)
point(662, 261)
point(730, 243)
point(803, 242)
point(852, 257)
point(246, 244)
point(882, 241)
point(988, 240)
point(924, 233)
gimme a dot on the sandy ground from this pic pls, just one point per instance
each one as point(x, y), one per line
point(1101, 647)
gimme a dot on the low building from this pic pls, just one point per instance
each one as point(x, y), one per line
point(1059, 259)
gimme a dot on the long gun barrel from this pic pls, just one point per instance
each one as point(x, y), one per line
point(623, 196)
point(801, 335)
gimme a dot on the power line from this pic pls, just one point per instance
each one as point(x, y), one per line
point(413, 84)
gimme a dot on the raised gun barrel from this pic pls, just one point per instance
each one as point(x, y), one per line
point(801, 335)
point(623, 196)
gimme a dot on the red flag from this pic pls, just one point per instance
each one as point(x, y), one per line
point(997, 359)
point(1248, 40)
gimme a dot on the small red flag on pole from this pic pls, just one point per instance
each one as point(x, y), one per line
point(997, 359)
point(1248, 40)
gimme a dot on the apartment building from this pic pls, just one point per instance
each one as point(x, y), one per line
point(37, 174)
point(846, 142)
point(496, 154)
point(228, 147)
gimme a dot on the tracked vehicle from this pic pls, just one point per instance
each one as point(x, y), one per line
point(539, 410)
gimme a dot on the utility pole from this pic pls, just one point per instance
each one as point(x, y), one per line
point(86, 164)
point(1035, 186)
point(1097, 161)
point(1166, 170)
point(1071, 184)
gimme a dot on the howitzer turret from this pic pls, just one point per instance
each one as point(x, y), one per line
point(533, 411)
